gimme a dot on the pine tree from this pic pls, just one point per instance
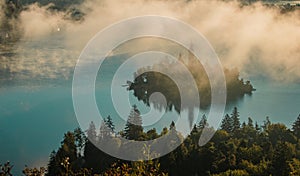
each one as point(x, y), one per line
point(281, 158)
point(236, 124)
point(67, 150)
point(109, 123)
point(53, 164)
point(250, 122)
point(133, 129)
point(227, 124)
point(79, 140)
point(172, 126)
point(91, 152)
point(296, 127)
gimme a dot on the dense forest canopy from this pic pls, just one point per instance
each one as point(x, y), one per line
point(237, 148)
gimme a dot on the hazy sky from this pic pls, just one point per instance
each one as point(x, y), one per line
point(260, 41)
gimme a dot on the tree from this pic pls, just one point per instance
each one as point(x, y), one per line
point(133, 129)
point(109, 123)
point(256, 169)
point(227, 124)
point(152, 134)
point(281, 159)
point(67, 150)
point(296, 127)
point(92, 154)
point(245, 151)
point(250, 122)
point(172, 126)
point(279, 132)
point(79, 141)
point(236, 124)
point(53, 164)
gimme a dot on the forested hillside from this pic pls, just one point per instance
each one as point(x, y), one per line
point(236, 149)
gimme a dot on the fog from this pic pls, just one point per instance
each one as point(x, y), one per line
point(258, 40)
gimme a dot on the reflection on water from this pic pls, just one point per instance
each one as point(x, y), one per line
point(46, 113)
point(36, 110)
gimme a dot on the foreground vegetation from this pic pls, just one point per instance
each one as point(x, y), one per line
point(236, 149)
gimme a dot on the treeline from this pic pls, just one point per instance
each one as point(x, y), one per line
point(147, 82)
point(237, 148)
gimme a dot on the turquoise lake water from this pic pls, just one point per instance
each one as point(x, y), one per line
point(33, 119)
point(33, 122)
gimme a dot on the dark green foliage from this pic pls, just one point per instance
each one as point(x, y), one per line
point(79, 141)
point(109, 123)
point(236, 124)
point(233, 150)
point(68, 150)
point(94, 158)
point(282, 156)
point(296, 127)
point(232, 123)
point(227, 124)
point(133, 129)
point(172, 126)
point(250, 122)
point(148, 82)
point(152, 134)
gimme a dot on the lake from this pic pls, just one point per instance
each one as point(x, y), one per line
point(35, 113)
point(33, 119)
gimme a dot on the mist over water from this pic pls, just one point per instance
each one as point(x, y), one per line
point(36, 71)
point(258, 40)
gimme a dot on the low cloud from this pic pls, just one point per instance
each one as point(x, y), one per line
point(258, 40)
